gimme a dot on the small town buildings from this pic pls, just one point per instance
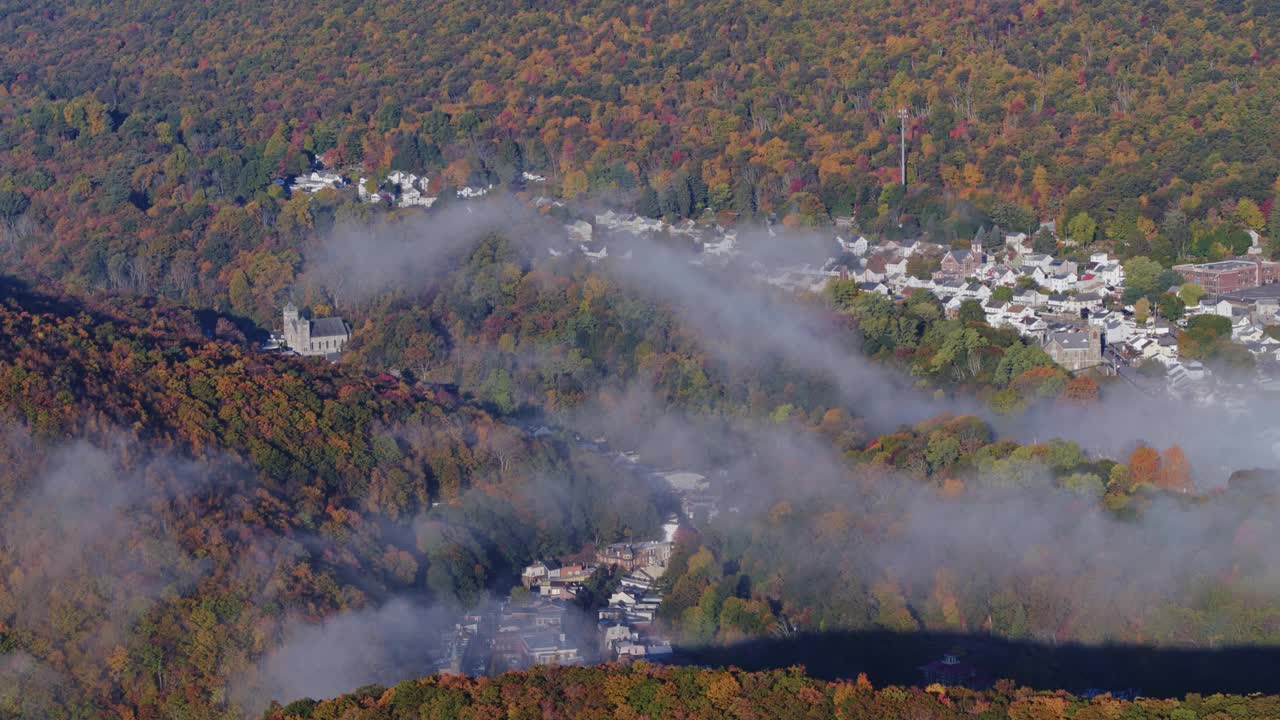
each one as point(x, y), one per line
point(317, 181)
point(857, 247)
point(1032, 327)
point(323, 336)
point(1032, 297)
point(536, 574)
point(533, 633)
point(1061, 283)
point(411, 189)
point(1036, 260)
point(1114, 326)
point(1018, 244)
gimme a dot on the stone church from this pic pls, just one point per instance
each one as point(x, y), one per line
point(322, 336)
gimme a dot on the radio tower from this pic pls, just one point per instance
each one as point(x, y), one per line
point(902, 147)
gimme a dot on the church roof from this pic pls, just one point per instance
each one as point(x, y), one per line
point(328, 327)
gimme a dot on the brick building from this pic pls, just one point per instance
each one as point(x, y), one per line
point(1227, 276)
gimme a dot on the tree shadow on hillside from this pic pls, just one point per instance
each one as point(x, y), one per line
point(896, 659)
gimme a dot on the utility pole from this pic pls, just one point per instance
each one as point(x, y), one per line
point(902, 147)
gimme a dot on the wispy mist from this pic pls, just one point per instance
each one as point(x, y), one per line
point(383, 645)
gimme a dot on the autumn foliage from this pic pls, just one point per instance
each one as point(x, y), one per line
point(642, 690)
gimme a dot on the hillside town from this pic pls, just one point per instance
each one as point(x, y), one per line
point(600, 605)
point(1073, 305)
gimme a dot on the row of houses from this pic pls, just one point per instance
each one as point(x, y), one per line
point(399, 188)
point(550, 580)
point(626, 625)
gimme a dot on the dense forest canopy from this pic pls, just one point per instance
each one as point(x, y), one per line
point(140, 141)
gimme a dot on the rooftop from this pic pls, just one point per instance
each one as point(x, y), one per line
point(328, 327)
point(1223, 266)
point(1071, 339)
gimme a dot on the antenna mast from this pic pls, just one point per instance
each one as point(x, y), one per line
point(902, 147)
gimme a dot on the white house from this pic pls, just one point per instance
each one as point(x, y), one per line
point(594, 255)
point(897, 267)
point(1255, 245)
point(1032, 327)
point(1016, 243)
point(915, 282)
point(1032, 297)
point(1037, 260)
point(1061, 283)
point(857, 247)
point(1111, 273)
point(579, 231)
point(315, 182)
point(1006, 276)
point(471, 192)
point(977, 291)
point(1118, 330)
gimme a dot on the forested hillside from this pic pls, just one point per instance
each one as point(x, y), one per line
point(139, 142)
point(178, 505)
point(645, 691)
point(173, 504)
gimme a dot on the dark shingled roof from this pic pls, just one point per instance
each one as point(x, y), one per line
point(328, 327)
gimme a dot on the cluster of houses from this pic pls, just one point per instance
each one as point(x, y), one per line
point(316, 181)
point(533, 633)
point(404, 189)
point(552, 581)
point(1130, 344)
point(589, 236)
point(1063, 304)
point(513, 635)
point(1041, 284)
point(462, 651)
point(400, 188)
point(626, 623)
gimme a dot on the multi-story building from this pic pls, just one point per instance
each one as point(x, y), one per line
point(1227, 276)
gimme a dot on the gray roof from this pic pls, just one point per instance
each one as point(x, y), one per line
point(328, 327)
point(1071, 340)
